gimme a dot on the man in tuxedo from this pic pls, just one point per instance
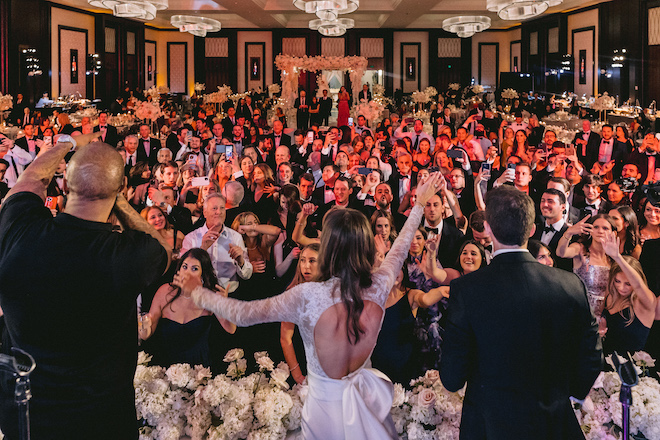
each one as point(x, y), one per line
point(147, 146)
point(520, 334)
point(645, 157)
point(108, 132)
point(365, 93)
point(550, 230)
point(609, 149)
point(230, 120)
point(325, 107)
point(117, 106)
point(450, 237)
point(402, 179)
point(330, 146)
point(592, 203)
point(278, 137)
point(343, 192)
point(302, 114)
point(16, 114)
point(416, 135)
point(586, 141)
point(30, 143)
point(462, 185)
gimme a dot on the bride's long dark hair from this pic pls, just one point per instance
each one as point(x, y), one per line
point(347, 252)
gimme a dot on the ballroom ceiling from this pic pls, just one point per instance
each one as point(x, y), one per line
point(372, 14)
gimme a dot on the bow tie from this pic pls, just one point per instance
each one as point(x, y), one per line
point(404, 177)
point(549, 229)
point(278, 135)
point(591, 207)
point(489, 248)
point(329, 188)
point(430, 229)
point(103, 127)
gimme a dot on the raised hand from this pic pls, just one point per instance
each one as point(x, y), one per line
point(209, 238)
point(432, 244)
point(429, 188)
point(611, 244)
point(187, 282)
point(581, 227)
point(309, 209)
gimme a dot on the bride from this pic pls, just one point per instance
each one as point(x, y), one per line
point(339, 318)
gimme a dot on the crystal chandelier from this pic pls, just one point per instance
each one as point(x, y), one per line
point(466, 25)
point(136, 9)
point(198, 26)
point(519, 9)
point(328, 11)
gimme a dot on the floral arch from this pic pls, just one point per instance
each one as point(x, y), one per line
point(291, 67)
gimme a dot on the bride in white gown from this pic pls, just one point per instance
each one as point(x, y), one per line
point(339, 318)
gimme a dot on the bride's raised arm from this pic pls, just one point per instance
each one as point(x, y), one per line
point(284, 307)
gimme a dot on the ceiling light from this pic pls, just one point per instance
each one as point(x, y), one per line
point(198, 26)
point(466, 25)
point(520, 9)
point(332, 28)
point(136, 9)
point(328, 11)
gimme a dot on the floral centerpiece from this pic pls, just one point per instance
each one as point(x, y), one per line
point(200, 87)
point(603, 102)
point(163, 90)
point(153, 92)
point(274, 89)
point(371, 110)
point(6, 102)
point(477, 89)
point(220, 96)
point(184, 400)
point(454, 86)
point(148, 110)
point(420, 97)
point(600, 414)
point(509, 94)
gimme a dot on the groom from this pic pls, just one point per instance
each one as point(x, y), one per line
point(520, 334)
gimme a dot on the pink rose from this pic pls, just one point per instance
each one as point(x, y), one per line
point(432, 376)
point(426, 397)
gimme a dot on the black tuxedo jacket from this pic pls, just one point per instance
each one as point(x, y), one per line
point(228, 126)
point(153, 146)
point(366, 96)
point(522, 336)
point(284, 140)
point(592, 143)
point(562, 263)
point(111, 136)
point(325, 106)
point(619, 155)
point(581, 204)
point(393, 181)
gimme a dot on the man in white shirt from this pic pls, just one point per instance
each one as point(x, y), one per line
point(331, 146)
point(519, 124)
point(416, 135)
point(17, 158)
point(361, 127)
point(224, 245)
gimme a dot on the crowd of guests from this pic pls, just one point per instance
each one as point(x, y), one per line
point(241, 201)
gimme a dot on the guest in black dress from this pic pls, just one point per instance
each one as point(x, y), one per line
point(630, 305)
point(177, 331)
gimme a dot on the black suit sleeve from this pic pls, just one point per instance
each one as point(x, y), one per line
point(590, 355)
point(458, 344)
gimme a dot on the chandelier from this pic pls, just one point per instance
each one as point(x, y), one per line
point(332, 28)
point(520, 9)
point(328, 11)
point(466, 25)
point(136, 9)
point(197, 26)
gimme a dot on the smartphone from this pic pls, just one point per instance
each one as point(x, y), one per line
point(350, 122)
point(478, 117)
point(511, 166)
point(200, 181)
point(229, 151)
point(485, 166)
point(433, 169)
point(51, 202)
point(409, 120)
point(192, 159)
point(189, 137)
point(48, 140)
point(570, 150)
point(365, 171)
point(456, 153)
point(219, 148)
point(310, 137)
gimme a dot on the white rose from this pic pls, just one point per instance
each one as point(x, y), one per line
point(426, 397)
point(265, 363)
point(233, 355)
point(399, 395)
point(279, 377)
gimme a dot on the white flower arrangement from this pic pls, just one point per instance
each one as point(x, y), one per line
point(430, 91)
point(378, 89)
point(420, 97)
point(604, 102)
point(153, 92)
point(220, 96)
point(274, 89)
point(163, 90)
point(371, 110)
point(477, 88)
point(185, 400)
point(200, 87)
point(148, 110)
point(454, 86)
point(509, 94)
point(600, 414)
point(6, 102)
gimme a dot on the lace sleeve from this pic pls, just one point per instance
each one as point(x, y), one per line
point(390, 267)
point(285, 307)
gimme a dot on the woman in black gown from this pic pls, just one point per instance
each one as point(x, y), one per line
point(175, 330)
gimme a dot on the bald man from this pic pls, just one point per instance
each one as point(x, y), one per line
point(68, 289)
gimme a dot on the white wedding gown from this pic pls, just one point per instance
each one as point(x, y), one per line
point(358, 405)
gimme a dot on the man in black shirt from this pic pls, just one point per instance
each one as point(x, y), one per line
point(68, 288)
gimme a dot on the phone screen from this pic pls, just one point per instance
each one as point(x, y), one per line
point(310, 137)
point(350, 122)
point(229, 151)
point(188, 137)
point(200, 181)
point(486, 166)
